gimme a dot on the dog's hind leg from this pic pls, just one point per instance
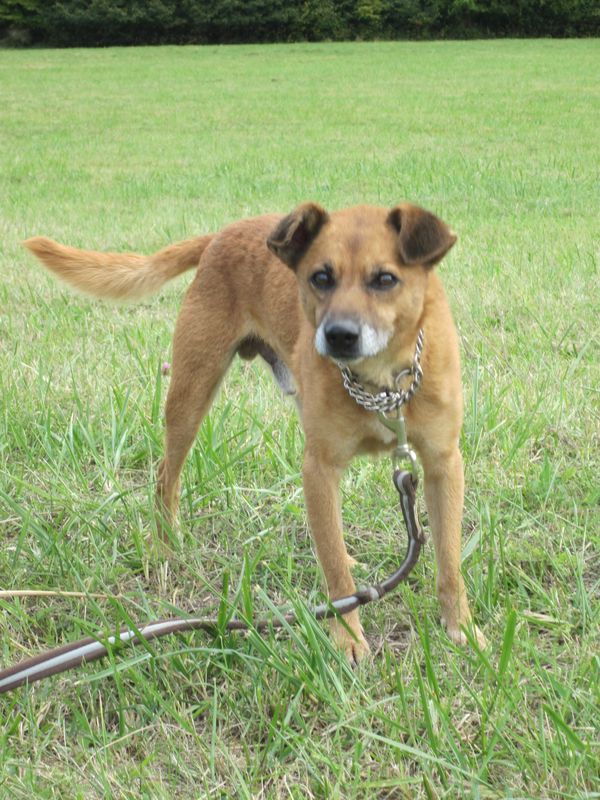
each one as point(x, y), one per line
point(203, 347)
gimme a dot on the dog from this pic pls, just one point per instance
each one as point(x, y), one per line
point(307, 292)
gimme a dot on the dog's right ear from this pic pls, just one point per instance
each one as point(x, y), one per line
point(294, 234)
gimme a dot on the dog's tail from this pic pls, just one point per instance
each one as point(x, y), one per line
point(118, 276)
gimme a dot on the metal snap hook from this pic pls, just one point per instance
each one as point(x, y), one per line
point(402, 453)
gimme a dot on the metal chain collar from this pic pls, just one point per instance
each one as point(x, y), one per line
point(387, 400)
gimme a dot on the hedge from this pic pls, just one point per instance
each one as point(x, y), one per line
point(126, 22)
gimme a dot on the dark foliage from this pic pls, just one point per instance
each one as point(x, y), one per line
point(105, 22)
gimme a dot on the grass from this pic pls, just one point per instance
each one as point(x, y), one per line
point(135, 148)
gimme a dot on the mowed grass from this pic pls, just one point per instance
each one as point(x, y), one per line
point(135, 148)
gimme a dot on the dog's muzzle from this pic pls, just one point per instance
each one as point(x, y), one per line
point(347, 339)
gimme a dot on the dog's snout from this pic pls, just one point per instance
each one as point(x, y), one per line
point(342, 337)
point(342, 334)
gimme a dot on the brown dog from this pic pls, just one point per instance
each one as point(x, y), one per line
point(357, 286)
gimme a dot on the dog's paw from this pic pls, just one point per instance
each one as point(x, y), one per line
point(352, 562)
point(351, 642)
point(161, 547)
point(459, 637)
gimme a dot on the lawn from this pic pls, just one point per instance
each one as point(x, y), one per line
point(135, 148)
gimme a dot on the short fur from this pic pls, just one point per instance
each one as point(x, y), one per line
point(243, 299)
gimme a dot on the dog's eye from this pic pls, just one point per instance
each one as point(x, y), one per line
point(322, 279)
point(383, 280)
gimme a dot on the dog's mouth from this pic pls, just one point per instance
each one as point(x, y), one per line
point(349, 340)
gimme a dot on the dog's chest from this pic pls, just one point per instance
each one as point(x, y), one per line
point(376, 437)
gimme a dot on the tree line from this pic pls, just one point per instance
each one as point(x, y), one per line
point(130, 22)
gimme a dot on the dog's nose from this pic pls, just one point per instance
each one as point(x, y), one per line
point(342, 338)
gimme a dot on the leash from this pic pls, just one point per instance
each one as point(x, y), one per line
point(91, 648)
point(72, 655)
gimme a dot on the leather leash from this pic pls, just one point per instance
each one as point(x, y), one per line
point(91, 648)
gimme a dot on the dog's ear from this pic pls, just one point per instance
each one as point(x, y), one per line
point(292, 237)
point(422, 237)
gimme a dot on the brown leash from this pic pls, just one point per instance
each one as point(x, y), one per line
point(83, 651)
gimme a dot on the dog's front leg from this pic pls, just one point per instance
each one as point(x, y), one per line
point(321, 491)
point(444, 494)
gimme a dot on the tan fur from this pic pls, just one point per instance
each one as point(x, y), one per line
point(242, 294)
point(118, 276)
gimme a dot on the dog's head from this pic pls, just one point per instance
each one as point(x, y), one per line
point(362, 272)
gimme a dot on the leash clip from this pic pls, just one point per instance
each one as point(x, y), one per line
point(402, 452)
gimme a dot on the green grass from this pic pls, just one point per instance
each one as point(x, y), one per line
point(133, 149)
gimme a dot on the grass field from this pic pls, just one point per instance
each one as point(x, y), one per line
point(132, 149)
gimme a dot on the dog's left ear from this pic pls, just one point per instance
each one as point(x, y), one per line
point(422, 237)
point(294, 234)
